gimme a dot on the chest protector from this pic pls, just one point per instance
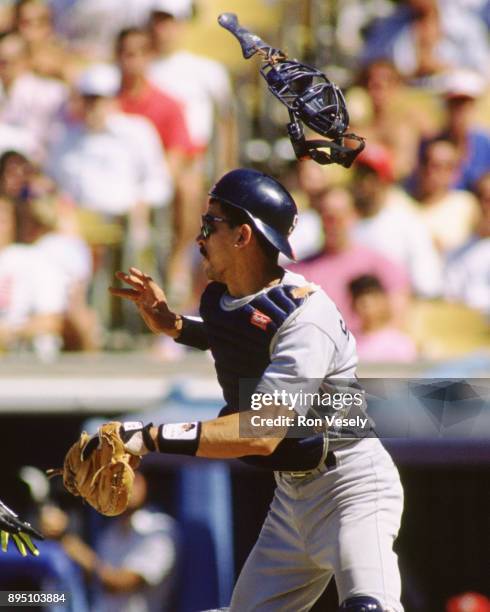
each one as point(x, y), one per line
point(240, 342)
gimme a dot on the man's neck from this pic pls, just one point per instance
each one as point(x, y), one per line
point(250, 280)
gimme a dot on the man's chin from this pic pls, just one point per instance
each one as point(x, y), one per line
point(207, 269)
point(210, 271)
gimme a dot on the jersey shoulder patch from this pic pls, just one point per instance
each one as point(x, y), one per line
point(304, 291)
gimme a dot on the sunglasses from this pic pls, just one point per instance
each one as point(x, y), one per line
point(207, 227)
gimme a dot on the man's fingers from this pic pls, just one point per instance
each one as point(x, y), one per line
point(146, 279)
point(148, 282)
point(129, 294)
point(156, 289)
point(130, 280)
point(141, 283)
point(139, 274)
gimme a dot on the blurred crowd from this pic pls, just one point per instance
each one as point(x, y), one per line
point(111, 132)
point(128, 563)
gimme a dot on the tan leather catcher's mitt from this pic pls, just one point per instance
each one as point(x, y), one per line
point(104, 476)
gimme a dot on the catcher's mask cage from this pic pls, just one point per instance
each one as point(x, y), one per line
point(309, 97)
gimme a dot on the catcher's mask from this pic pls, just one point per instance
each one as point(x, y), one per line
point(310, 97)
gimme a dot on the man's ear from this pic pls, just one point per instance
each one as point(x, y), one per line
point(244, 235)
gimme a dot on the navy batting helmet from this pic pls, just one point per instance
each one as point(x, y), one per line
point(269, 206)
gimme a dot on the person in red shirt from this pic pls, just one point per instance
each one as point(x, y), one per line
point(138, 96)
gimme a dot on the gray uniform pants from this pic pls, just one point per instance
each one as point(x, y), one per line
point(341, 522)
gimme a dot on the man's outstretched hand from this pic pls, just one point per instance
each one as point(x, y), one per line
point(150, 300)
point(20, 531)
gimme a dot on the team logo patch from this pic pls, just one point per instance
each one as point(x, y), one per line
point(259, 319)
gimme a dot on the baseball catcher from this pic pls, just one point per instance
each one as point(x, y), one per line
point(21, 532)
point(266, 324)
point(336, 485)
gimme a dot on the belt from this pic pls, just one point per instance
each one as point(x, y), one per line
point(330, 463)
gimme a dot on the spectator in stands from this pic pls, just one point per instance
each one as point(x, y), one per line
point(202, 87)
point(200, 84)
point(390, 223)
point(394, 118)
point(307, 181)
point(468, 268)
point(449, 214)
point(21, 181)
point(90, 27)
point(342, 260)
point(19, 138)
point(47, 55)
point(352, 20)
point(32, 296)
point(27, 100)
point(462, 89)
point(40, 226)
point(15, 174)
point(378, 339)
point(135, 558)
point(6, 16)
point(312, 181)
point(138, 96)
point(111, 163)
point(424, 38)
